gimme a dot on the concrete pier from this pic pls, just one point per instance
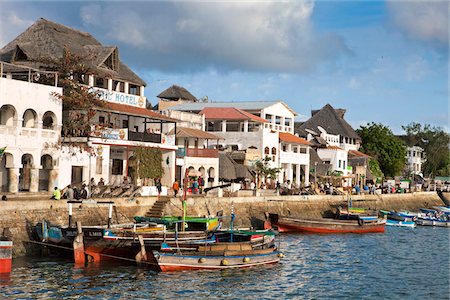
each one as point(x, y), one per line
point(21, 215)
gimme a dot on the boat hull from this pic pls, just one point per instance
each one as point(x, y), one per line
point(169, 262)
point(326, 226)
point(411, 224)
point(5, 256)
point(433, 222)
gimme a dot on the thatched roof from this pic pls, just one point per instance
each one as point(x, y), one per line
point(176, 93)
point(46, 40)
point(227, 170)
point(329, 119)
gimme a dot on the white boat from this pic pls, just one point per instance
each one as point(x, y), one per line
point(411, 224)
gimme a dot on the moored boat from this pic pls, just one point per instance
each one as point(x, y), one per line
point(324, 225)
point(6, 246)
point(397, 223)
point(221, 255)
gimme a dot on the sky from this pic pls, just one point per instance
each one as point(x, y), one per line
point(384, 61)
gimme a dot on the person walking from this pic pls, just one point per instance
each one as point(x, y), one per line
point(56, 194)
point(176, 188)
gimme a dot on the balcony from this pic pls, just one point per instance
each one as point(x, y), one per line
point(144, 137)
point(193, 152)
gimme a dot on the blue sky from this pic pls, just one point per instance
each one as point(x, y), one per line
point(383, 61)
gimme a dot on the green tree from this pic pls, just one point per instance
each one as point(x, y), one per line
point(379, 142)
point(435, 142)
point(148, 162)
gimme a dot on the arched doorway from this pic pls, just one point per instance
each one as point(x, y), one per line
point(7, 115)
point(44, 173)
point(5, 165)
point(211, 176)
point(49, 121)
point(25, 172)
point(29, 119)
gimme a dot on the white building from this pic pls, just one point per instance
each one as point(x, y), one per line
point(121, 125)
point(415, 158)
point(332, 137)
point(257, 126)
point(30, 123)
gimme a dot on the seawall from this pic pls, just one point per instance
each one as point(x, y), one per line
point(20, 216)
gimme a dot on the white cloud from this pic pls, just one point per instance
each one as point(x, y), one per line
point(425, 20)
point(11, 25)
point(259, 36)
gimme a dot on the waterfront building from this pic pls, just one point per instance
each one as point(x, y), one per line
point(118, 127)
point(30, 122)
point(415, 157)
point(262, 129)
point(332, 138)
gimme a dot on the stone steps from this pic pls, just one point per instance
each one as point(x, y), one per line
point(157, 209)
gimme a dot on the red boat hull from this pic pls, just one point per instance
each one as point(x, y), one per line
point(5, 257)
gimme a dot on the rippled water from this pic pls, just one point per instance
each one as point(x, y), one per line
point(402, 263)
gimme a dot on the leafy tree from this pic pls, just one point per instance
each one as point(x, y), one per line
point(379, 142)
point(148, 162)
point(374, 168)
point(435, 142)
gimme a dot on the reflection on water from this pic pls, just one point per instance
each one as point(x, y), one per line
point(401, 263)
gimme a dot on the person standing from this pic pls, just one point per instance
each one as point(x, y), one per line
point(158, 187)
point(56, 194)
point(176, 188)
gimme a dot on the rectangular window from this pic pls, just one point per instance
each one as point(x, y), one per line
point(303, 150)
point(269, 118)
point(287, 122)
point(98, 165)
point(343, 164)
point(134, 89)
point(339, 164)
point(101, 120)
point(277, 120)
point(125, 124)
point(117, 167)
point(284, 148)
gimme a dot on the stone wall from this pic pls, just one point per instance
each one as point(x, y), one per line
point(21, 215)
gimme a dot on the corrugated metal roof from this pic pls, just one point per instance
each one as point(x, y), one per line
point(196, 133)
point(248, 105)
point(132, 110)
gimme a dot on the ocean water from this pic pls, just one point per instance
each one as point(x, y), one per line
point(402, 263)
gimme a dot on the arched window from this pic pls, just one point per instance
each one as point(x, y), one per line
point(7, 115)
point(49, 120)
point(29, 119)
point(274, 151)
point(266, 150)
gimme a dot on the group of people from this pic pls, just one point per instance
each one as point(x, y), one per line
point(74, 193)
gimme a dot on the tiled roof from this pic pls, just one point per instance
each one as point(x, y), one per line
point(290, 138)
point(229, 113)
point(196, 133)
point(135, 111)
point(357, 153)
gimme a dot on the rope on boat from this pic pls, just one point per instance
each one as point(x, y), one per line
point(101, 254)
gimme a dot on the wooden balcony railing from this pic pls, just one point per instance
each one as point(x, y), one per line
point(192, 152)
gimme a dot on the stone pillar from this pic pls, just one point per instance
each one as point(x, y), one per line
point(13, 180)
point(91, 80)
point(245, 125)
point(289, 173)
point(126, 88)
point(224, 126)
point(34, 180)
point(307, 174)
point(53, 179)
point(110, 84)
point(141, 90)
point(298, 172)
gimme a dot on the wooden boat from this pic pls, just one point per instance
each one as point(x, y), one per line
point(284, 224)
point(397, 223)
point(191, 223)
point(433, 221)
point(6, 246)
point(401, 216)
point(445, 197)
point(222, 255)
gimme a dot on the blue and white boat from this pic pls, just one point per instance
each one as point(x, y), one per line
point(410, 224)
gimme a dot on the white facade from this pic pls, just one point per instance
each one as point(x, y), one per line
point(415, 159)
point(294, 161)
point(338, 158)
point(30, 126)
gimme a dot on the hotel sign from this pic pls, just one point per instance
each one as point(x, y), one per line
point(109, 133)
point(120, 98)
